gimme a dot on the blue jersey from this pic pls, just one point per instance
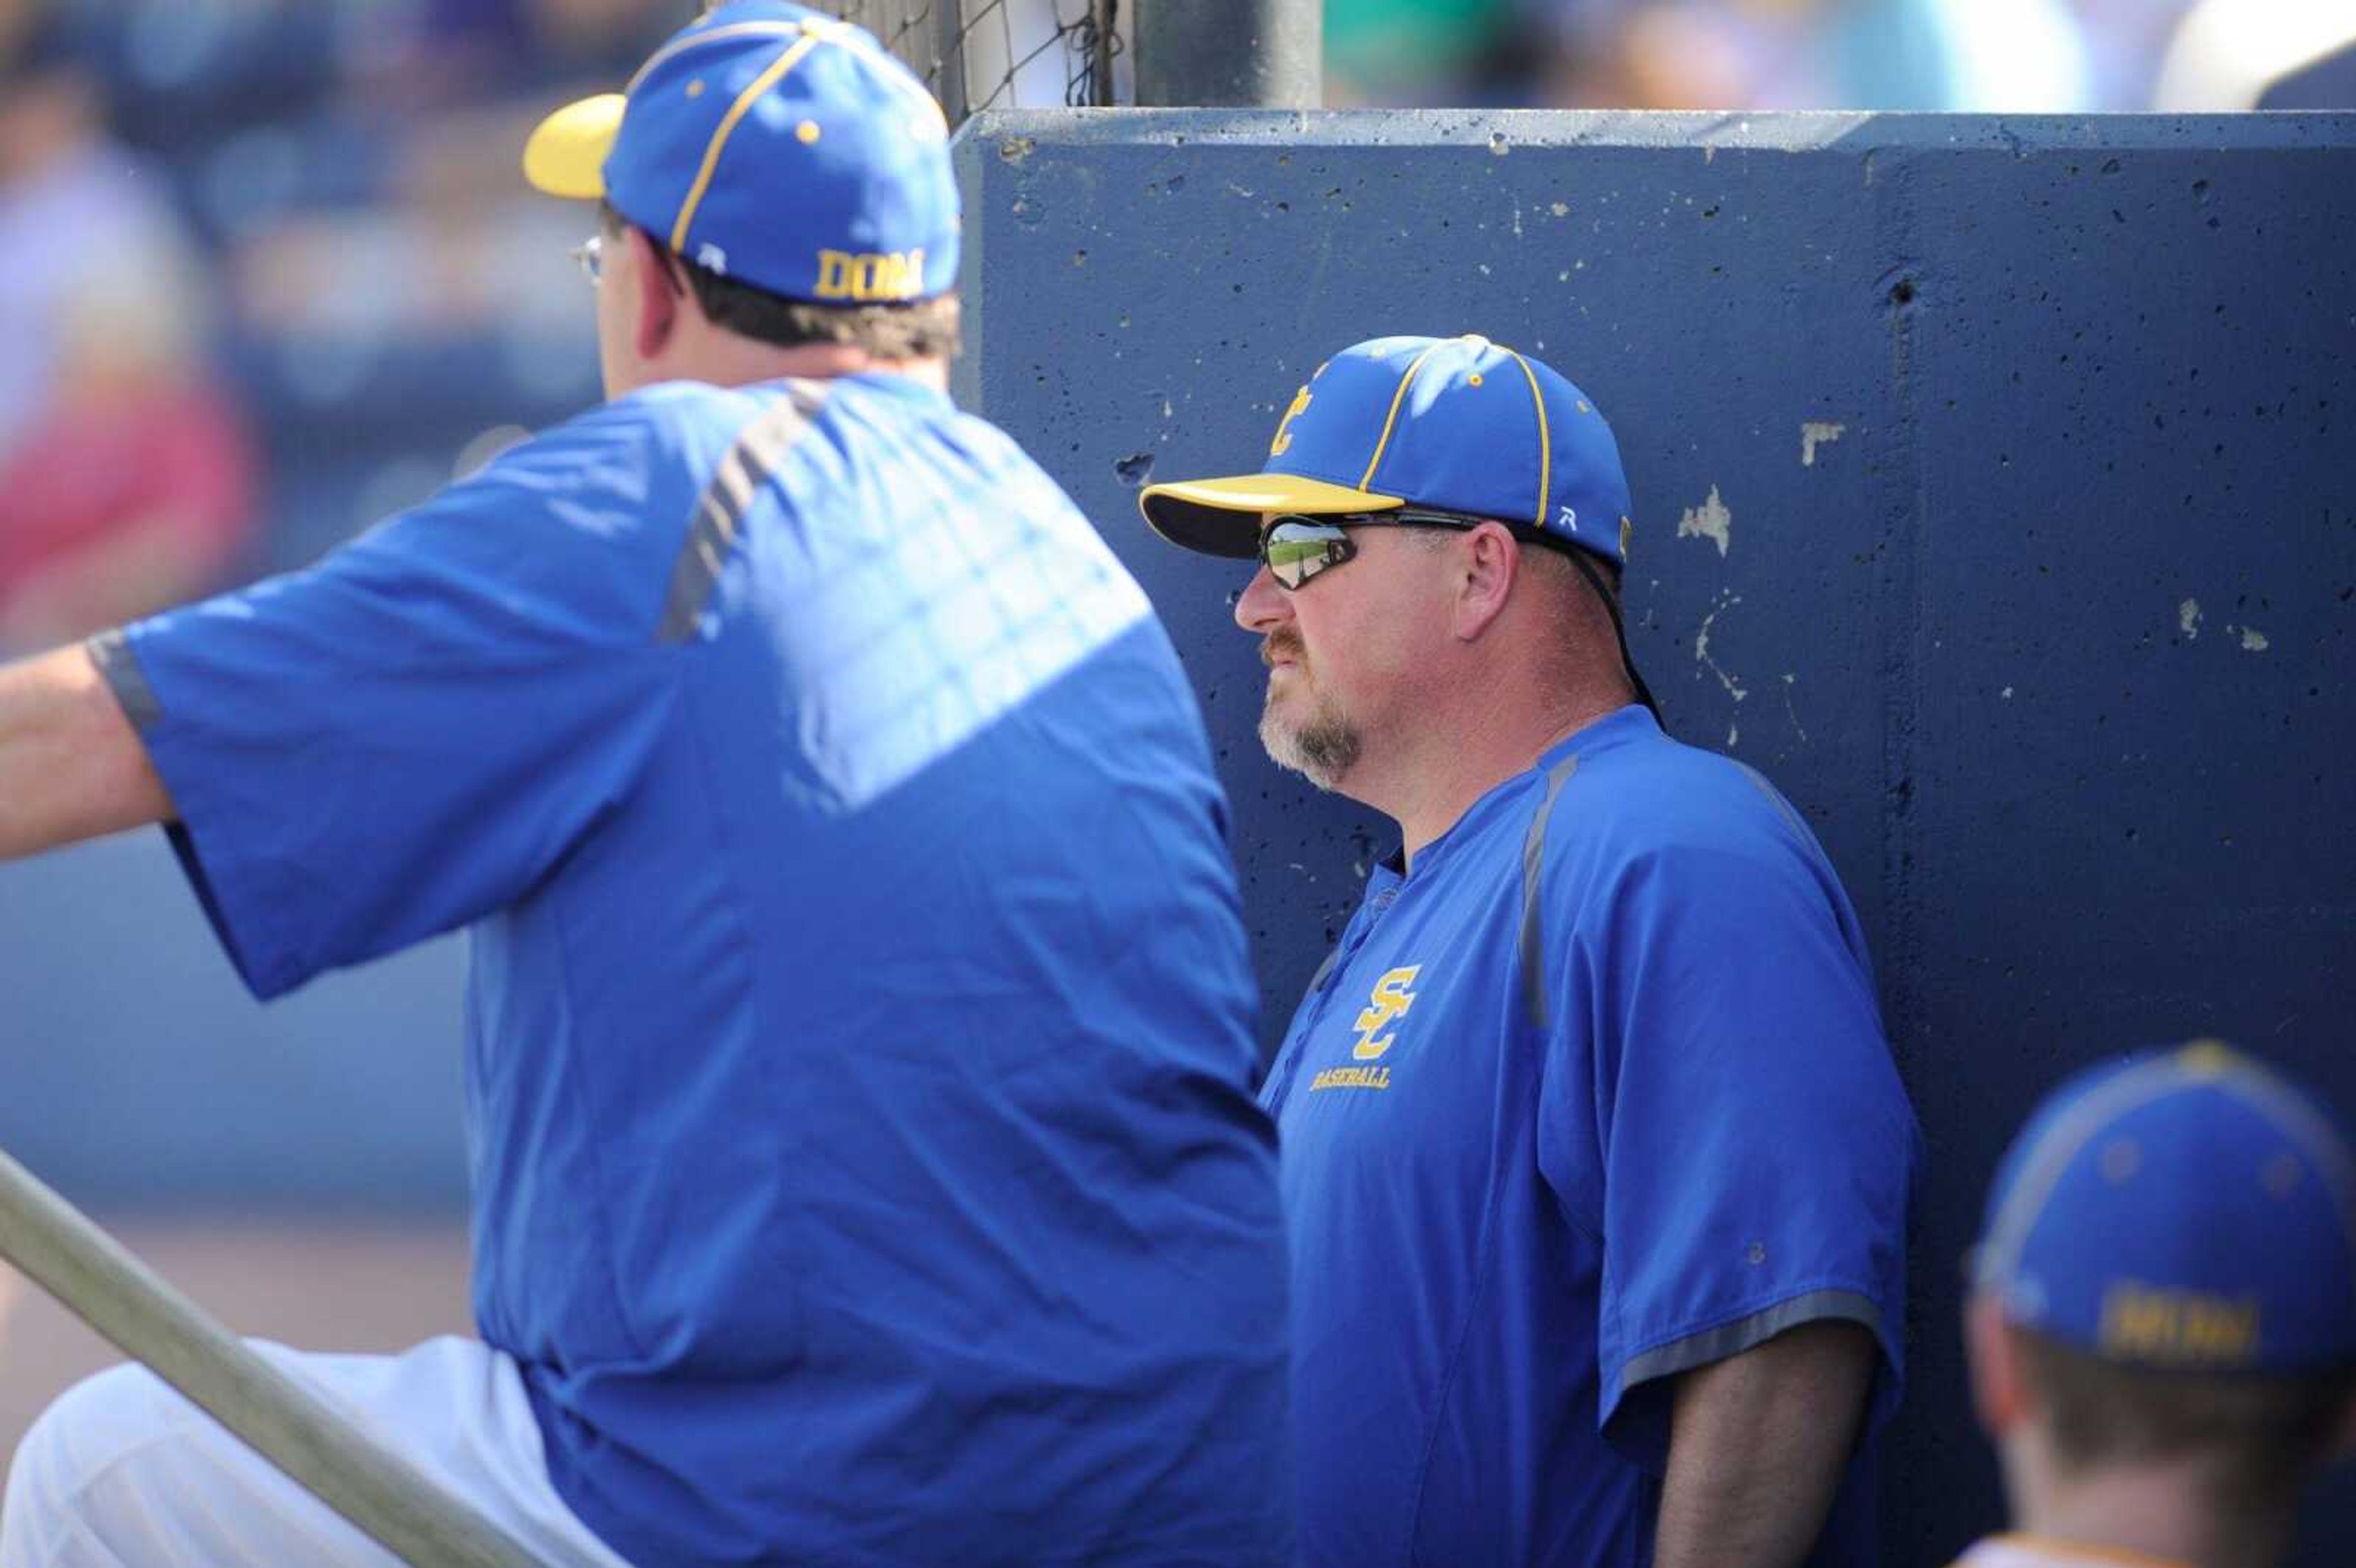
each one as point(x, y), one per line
point(860, 1028)
point(1596, 1093)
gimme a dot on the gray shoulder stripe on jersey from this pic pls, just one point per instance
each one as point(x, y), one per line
point(1746, 1333)
point(760, 450)
point(111, 652)
point(1533, 944)
point(808, 393)
point(1784, 808)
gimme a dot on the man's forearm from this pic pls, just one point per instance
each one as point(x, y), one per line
point(1757, 1446)
point(70, 765)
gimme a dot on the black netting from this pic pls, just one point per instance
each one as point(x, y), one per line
point(998, 54)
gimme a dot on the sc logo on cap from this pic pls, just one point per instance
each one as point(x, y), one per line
point(1276, 448)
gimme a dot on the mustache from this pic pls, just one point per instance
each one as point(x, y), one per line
point(1287, 644)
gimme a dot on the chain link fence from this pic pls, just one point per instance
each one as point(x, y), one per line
point(1000, 54)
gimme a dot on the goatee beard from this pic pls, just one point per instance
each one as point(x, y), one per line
point(1322, 749)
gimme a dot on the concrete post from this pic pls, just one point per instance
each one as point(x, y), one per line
point(1202, 54)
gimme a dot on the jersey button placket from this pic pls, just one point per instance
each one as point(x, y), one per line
point(1361, 926)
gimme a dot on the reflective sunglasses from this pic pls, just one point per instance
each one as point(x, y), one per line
point(1295, 548)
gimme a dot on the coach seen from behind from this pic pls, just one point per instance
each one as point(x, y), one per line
point(2162, 1326)
point(851, 1184)
point(1595, 1163)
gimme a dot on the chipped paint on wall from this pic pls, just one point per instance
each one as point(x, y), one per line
point(2188, 618)
point(2253, 640)
point(1790, 712)
point(1701, 646)
point(1711, 520)
point(1815, 433)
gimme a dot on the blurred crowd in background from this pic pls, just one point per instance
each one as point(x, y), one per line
point(261, 281)
point(268, 271)
point(2060, 56)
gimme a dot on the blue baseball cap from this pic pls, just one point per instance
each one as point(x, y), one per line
point(2186, 1209)
point(1451, 424)
point(776, 146)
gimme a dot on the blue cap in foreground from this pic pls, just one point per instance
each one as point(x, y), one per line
point(2186, 1208)
point(775, 146)
point(1450, 424)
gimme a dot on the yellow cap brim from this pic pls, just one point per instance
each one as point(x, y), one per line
point(566, 154)
point(1221, 516)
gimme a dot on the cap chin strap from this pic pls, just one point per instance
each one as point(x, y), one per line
point(1619, 634)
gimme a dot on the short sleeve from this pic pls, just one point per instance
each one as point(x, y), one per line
point(1757, 1149)
point(411, 733)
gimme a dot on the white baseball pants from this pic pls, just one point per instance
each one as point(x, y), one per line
point(121, 1472)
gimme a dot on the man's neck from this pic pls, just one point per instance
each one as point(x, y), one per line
point(1490, 738)
point(726, 359)
point(2157, 1511)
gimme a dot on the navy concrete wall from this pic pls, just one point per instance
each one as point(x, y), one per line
point(1996, 494)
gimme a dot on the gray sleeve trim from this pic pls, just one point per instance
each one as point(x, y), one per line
point(1533, 944)
point(761, 448)
point(1733, 1339)
point(1784, 808)
point(111, 652)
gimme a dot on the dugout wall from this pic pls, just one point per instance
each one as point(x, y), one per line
point(1996, 494)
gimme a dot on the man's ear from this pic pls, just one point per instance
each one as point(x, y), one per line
point(659, 293)
point(1490, 561)
point(2001, 1396)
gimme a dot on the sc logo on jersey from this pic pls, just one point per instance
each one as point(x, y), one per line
point(1384, 1008)
point(1391, 1000)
